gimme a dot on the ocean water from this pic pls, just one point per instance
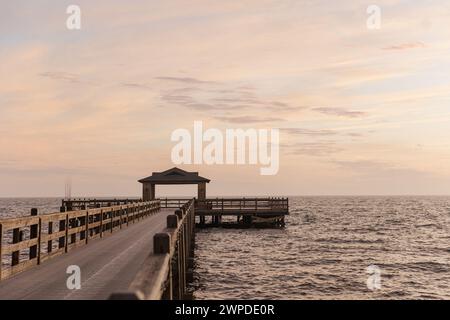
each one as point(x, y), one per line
point(323, 252)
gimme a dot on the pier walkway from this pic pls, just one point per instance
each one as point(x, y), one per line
point(107, 265)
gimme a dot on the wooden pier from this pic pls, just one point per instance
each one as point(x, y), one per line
point(50, 235)
point(125, 248)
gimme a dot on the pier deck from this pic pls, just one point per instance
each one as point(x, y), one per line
point(107, 265)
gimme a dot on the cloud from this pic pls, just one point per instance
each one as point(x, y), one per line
point(355, 134)
point(364, 165)
point(406, 46)
point(316, 149)
point(309, 132)
point(320, 133)
point(238, 100)
point(60, 75)
point(182, 100)
point(210, 107)
point(224, 99)
point(186, 80)
point(136, 85)
point(340, 112)
point(248, 119)
point(246, 88)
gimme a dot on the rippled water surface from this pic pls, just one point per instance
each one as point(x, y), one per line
point(324, 251)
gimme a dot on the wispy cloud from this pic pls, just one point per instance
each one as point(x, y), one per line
point(316, 149)
point(136, 85)
point(225, 98)
point(309, 132)
point(248, 119)
point(339, 112)
point(406, 46)
point(185, 80)
point(63, 76)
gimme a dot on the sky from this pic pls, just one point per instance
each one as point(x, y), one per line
point(360, 111)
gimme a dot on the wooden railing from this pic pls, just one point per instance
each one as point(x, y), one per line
point(223, 205)
point(164, 274)
point(36, 238)
point(231, 204)
point(173, 203)
point(83, 203)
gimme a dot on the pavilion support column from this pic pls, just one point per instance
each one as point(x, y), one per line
point(148, 192)
point(152, 191)
point(201, 191)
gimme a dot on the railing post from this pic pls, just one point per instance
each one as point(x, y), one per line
point(179, 279)
point(67, 233)
point(50, 242)
point(101, 223)
point(62, 227)
point(39, 242)
point(73, 223)
point(33, 235)
point(112, 220)
point(15, 254)
point(87, 227)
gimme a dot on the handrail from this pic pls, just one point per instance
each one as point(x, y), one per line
point(243, 204)
point(73, 204)
point(74, 228)
point(173, 203)
point(169, 260)
point(223, 204)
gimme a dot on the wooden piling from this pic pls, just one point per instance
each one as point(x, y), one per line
point(172, 221)
point(161, 243)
